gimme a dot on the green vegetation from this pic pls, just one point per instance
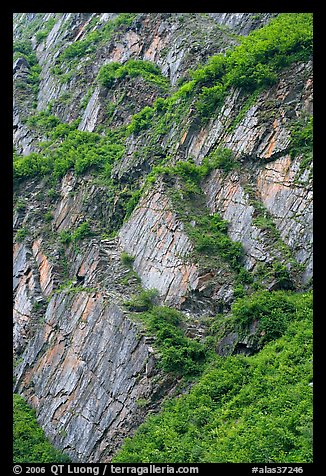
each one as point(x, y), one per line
point(81, 232)
point(178, 354)
point(69, 148)
point(251, 66)
point(273, 311)
point(141, 121)
point(30, 443)
point(302, 142)
point(256, 62)
point(21, 234)
point(207, 231)
point(248, 103)
point(190, 173)
point(27, 29)
point(132, 68)
point(24, 49)
point(72, 54)
point(281, 274)
point(142, 302)
point(20, 205)
point(242, 409)
point(42, 34)
point(302, 138)
point(126, 259)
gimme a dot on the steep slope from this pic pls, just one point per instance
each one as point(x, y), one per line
point(146, 159)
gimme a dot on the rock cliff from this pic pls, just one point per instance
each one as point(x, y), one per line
point(82, 360)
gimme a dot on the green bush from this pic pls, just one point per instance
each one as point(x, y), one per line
point(256, 62)
point(82, 231)
point(42, 34)
point(302, 137)
point(126, 259)
point(220, 158)
point(143, 302)
point(23, 48)
point(65, 237)
point(21, 234)
point(132, 68)
point(273, 310)
point(243, 409)
point(90, 43)
point(179, 354)
point(20, 205)
point(132, 202)
point(141, 120)
point(209, 100)
point(282, 277)
point(72, 149)
point(30, 444)
point(48, 216)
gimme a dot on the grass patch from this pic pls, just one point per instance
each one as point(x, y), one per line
point(242, 409)
point(179, 354)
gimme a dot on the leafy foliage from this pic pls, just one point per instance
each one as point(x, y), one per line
point(79, 49)
point(82, 231)
point(302, 142)
point(42, 34)
point(21, 234)
point(143, 302)
point(256, 62)
point(179, 354)
point(126, 259)
point(272, 310)
point(302, 138)
point(141, 120)
point(24, 49)
point(30, 443)
point(243, 409)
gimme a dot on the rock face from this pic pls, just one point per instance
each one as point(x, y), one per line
point(81, 359)
point(155, 238)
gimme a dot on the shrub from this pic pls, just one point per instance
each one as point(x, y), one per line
point(209, 100)
point(48, 216)
point(82, 231)
point(20, 205)
point(88, 45)
point(302, 138)
point(255, 63)
point(65, 237)
point(132, 202)
point(220, 158)
point(179, 354)
point(282, 277)
point(29, 442)
point(21, 234)
point(23, 46)
point(273, 310)
point(141, 120)
point(143, 302)
point(126, 259)
point(79, 150)
point(132, 68)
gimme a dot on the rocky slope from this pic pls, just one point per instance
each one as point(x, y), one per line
point(82, 360)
